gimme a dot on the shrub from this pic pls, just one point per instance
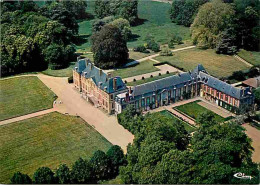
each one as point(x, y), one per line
point(142, 78)
point(44, 175)
point(151, 44)
point(125, 81)
point(141, 49)
point(151, 76)
point(20, 178)
point(167, 72)
point(166, 52)
point(134, 80)
point(160, 74)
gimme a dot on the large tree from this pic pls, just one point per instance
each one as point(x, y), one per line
point(63, 174)
point(44, 175)
point(117, 158)
point(20, 178)
point(81, 172)
point(109, 48)
point(212, 19)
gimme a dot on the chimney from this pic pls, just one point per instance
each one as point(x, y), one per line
point(257, 83)
point(114, 84)
point(86, 61)
point(91, 66)
point(109, 75)
point(100, 72)
point(130, 90)
point(78, 59)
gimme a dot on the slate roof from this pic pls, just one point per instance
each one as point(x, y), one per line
point(101, 79)
point(220, 85)
point(161, 84)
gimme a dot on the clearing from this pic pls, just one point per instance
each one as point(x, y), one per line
point(141, 68)
point(24, 95)
point(155, 22)
point(217, 65)
point(47, 140)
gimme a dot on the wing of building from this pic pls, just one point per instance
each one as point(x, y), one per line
point(111, 93)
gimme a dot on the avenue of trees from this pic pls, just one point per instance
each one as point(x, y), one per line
point(34, 38)
point(225, 25)
point(101, 166)
point(164, 153)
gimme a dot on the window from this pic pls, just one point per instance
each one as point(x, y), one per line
point(142, 102)
point(111, 96)
point(153, 99)
point(148, 101)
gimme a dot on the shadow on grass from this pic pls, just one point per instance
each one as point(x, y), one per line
point(139, 22)
point(134, 37)
point(81, 39)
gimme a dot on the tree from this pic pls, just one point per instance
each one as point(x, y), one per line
point(44, 175)
point(102, 8)
point(117, 158)
point(63, 174)
point(76, 7)
point(98, 24)
point(20, 178)
point(82, 172)
point(128, 10)
point(151, 44)
point(109, 48)
point(124, 27)
point(183, 11)
point(54, 55)
point(226, 43)
point(212, 18)
point(101, 166)
point(256, 92)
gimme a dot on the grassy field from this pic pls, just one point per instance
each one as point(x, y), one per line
point(156, 23)
point(141, 68)
point(252, 57)
point(66, 72)
point(47, 140)
point(216, 65)
point(193, 110)
point(23, 95)
point(188, 127)
point(146, 80)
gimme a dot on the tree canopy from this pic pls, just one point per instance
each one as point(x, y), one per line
point(109, 48)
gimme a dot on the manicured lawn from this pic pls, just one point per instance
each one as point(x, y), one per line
point(23, 95)
point(47, 140)
point(216, 65)
point(188, 127)
point(66, 72)
point(156, 23)
point(141, 68)
point(138, 55)
point(146, 80)
point(252, 57)
point(193, 110)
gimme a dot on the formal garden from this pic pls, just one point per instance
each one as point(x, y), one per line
point(48, 140)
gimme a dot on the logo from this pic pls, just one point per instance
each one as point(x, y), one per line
point(242, 176)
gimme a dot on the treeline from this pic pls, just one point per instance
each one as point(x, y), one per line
point(164, 153)
point(102, 166)
point(33, 37)
point(225, 25)
point(126, 9)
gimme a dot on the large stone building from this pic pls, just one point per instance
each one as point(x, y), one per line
point(184, 86)
point(111, 93)
point(96, 86)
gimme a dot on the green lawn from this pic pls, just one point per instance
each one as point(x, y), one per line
point(156, 23)
point(23, 95)
point(252, 57)
point(193, 110)
point(146, 80)
point(188, 127)
point(216, 65)
point(141, 68)
point(47, 140)
point(66, 72)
